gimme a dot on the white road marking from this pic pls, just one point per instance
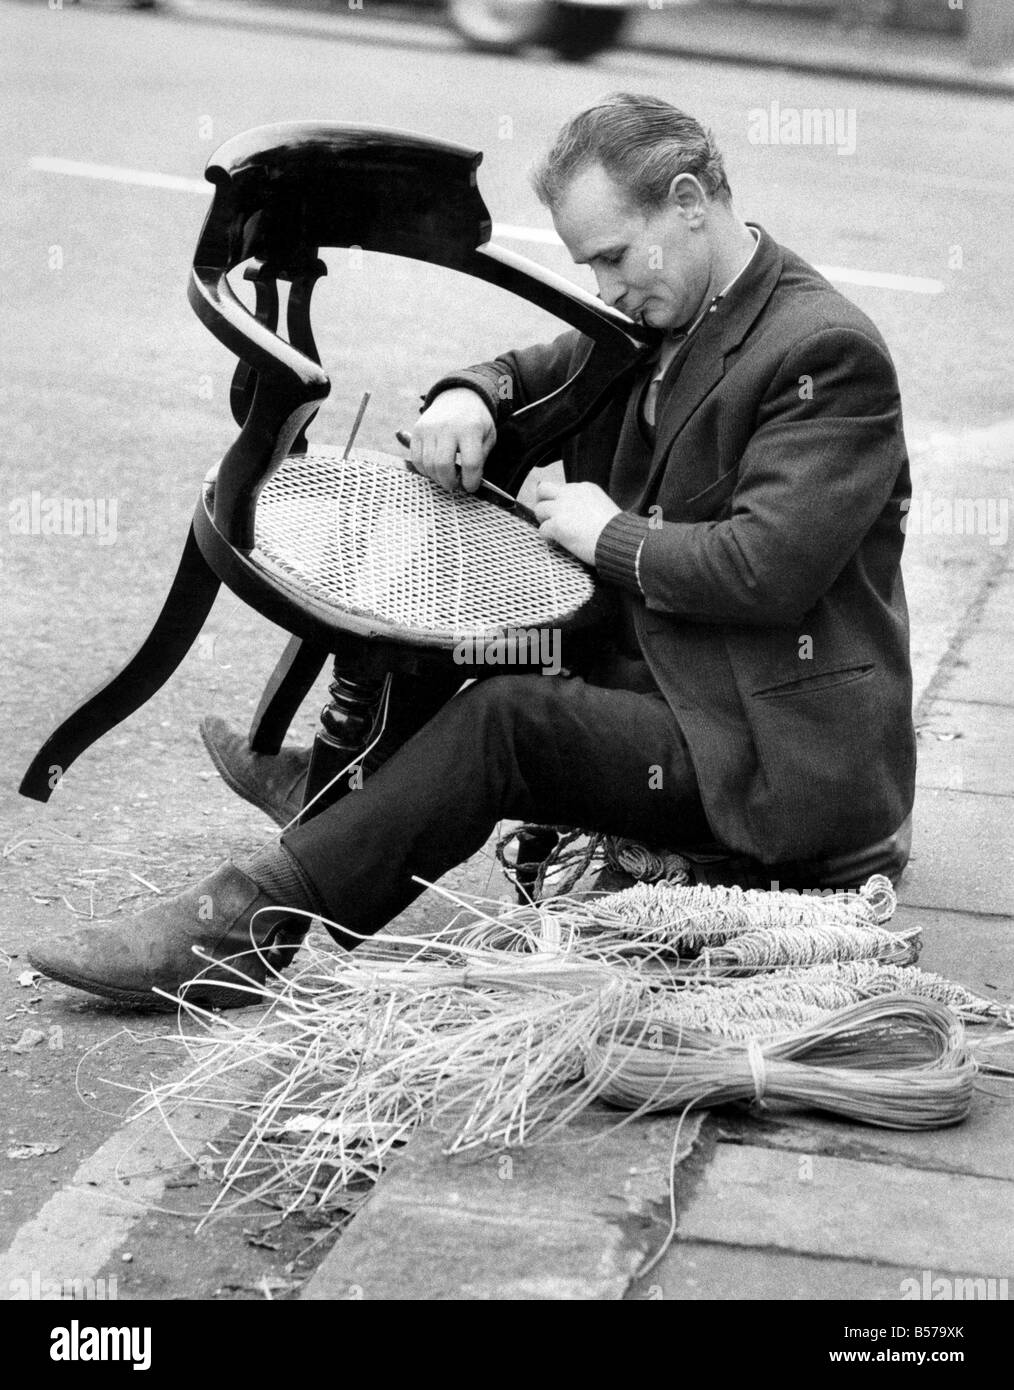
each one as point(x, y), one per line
point(882, 280)
point(78, 1230)
point(114, 173)
point(540, 236)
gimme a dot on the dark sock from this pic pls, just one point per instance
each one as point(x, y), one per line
point(280, 877)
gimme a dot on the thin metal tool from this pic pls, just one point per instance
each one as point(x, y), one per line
point(518, 508)
point(356, 423)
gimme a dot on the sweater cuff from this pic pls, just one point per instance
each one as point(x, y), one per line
point(618, 550)
point(472, 380)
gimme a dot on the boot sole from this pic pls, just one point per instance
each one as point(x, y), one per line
point(136, 998)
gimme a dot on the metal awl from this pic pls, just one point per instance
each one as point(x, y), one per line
point(356, 423)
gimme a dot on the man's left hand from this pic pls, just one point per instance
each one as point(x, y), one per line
point(573, 515)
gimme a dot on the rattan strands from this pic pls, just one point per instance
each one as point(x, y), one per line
point(366, 536)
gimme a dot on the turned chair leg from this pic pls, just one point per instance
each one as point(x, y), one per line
point(183, 614)
point(347, 724)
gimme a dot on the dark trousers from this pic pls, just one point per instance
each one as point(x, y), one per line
point(554, 750)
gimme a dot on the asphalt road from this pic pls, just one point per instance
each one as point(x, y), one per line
point(114, 393)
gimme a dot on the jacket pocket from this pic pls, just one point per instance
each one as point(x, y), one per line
point(823, 680)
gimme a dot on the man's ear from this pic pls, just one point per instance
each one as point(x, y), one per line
point(687, 196)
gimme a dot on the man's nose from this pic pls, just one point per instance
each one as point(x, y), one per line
point(611, 288)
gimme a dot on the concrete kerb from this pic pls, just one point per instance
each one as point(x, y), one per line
point(571, 1220)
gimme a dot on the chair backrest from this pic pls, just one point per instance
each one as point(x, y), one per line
point(282, 192)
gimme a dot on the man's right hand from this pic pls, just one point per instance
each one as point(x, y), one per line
point(455, 429)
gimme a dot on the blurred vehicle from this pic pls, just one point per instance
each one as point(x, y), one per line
point(572, 28)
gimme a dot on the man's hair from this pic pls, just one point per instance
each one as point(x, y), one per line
point(641, 142)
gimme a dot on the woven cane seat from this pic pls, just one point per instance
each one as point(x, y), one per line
point(366, 537)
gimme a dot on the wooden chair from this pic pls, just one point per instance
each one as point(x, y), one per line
point(353, 557)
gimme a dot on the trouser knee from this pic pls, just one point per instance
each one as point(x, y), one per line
point(514, 712)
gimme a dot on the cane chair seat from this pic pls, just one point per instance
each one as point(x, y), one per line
point(370, 539)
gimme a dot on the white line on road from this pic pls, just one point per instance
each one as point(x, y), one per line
point(882, 280)
point(113, 173)
point(79, 1229)
point(541, 236)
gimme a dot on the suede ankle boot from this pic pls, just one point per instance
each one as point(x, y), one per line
point(171, 942)
point(274, 784)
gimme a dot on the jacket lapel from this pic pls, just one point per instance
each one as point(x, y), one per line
point(703, 366)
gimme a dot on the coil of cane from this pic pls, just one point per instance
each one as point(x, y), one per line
point(897, 1062)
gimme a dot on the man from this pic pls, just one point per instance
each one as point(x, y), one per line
point(745, 501)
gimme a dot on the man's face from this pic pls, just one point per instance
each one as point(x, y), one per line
point(650, 265)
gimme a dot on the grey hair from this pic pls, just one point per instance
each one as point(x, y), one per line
point(641, 142)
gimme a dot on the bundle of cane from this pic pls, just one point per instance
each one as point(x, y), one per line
point(359, 1050)
point(708, 929)
point(689, 919)
point(870, 979)
point(787, 1000)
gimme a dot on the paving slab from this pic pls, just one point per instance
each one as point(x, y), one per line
point(573, 1219)
point(981, 1147)
point(975, 950)
point(966, 747)
point(983, 670)
point(962, 853)
point(693, 1272)
point(754, 1197)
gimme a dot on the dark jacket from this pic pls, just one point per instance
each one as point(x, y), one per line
point(770, 606)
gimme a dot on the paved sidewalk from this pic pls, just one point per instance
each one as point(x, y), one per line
point(810, 1208)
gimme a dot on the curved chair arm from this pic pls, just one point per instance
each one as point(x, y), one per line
point(220, 309)
point(288, 389)
point(617, 346)
point(557, 295)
